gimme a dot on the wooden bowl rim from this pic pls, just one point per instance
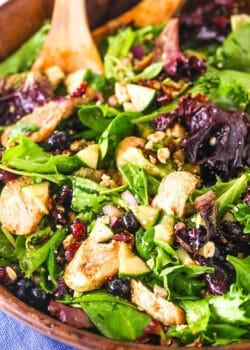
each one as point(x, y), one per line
point(82, 339)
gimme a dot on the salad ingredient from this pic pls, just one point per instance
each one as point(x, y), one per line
point(20, 94)
point(92, 265)
point(159, 308)
point(22, 59)
point(119, 287)
point(89, 156)
point(30, 205)
point(101, 232)
point(130, 265)
point(47, 117)
point(171, 202)
point(146, 215)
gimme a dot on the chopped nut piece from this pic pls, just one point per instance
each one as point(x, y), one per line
point(208, 250)
point(156, 136)
point(163, 155)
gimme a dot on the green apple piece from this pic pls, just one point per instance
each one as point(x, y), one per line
point(140, 96)
point(130, 265)
point(89, 156)
point(164, 231)
point(39, 193)
point(101, 232)
point(146, 215)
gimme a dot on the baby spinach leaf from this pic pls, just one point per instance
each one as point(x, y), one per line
point(145, 242)
point(98, 82)
point(242, 268)
point(31, 259)
point(235, 51)
point(96, 118)
point(114, 318)
point(119, 128)
point(22, 59)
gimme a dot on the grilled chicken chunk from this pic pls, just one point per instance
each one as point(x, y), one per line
point(23, 204)
point(48, 116)
point(92, 265)
point(174, 191)
point(157, 307)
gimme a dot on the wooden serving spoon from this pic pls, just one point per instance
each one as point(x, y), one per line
point(146, 12)
point(69, 43)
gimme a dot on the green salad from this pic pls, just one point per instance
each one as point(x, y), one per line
point(125, 197)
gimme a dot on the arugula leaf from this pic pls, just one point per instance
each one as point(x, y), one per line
point(22, 59)
point(31, 259)
point(54, 270)
point(242, 268)
point(55, 178)
point(115, 318)
point(241, 212)
point(29, 156)
point(235, 51)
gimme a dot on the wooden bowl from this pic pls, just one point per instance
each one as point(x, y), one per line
point(14, 30)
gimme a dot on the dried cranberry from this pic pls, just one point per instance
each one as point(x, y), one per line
point(71, 250)
point(191, 239)
point(163, 121)
point(6, 176)
point(80, 90)
point(78, 229)
point(220, 281)
point(123, 236)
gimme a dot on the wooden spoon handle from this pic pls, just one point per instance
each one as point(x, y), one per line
point(145, 13)
point(69, 43)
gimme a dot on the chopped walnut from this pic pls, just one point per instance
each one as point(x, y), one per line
point(163, 155)
point(156, 136)
point(178, 132)
point(179, 158)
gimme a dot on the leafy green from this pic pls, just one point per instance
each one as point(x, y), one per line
point(98, 82)
point(115, 318)
point(119, 128)
point(227, 193)
point(21, 127)
point(88, 195)
point(145, 242)
point(119, 47)
point(140, 183)
point(235, 51)
point(231, 195)
point(242, 268)
point(29, 156)
point(54, 271)
point(197, 314)
point(182, 281)
point(30, 259)
point(229, 89)
point(96, 118)
point(241, 212)
point(55, 178)
point(23, 58)
point(6, 248)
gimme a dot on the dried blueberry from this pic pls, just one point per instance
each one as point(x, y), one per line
point(119, 287)
point(129, 222)
point(57, 141)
